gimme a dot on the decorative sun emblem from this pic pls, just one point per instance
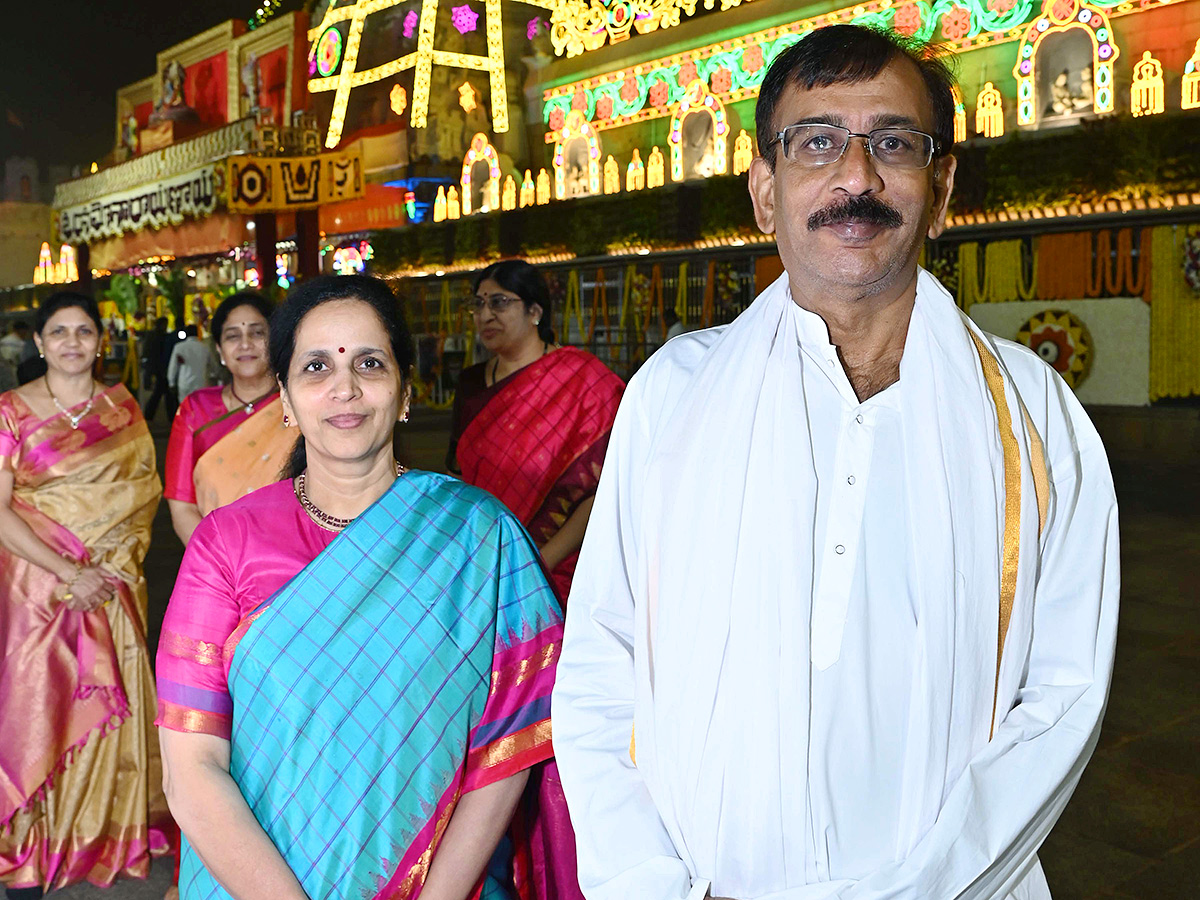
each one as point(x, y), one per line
point(1063, 341)
point(398, 99)
point(464, 18)
point(466, 97)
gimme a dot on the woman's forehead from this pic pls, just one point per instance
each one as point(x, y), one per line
point(69, 315)
point(343, 322)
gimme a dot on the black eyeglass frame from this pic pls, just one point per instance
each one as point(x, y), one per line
point(935, 147)
point(476, 303)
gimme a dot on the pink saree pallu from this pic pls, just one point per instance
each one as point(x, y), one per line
point(80, 780)
point(536, 440)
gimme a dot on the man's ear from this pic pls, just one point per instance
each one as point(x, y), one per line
point(943, 186)
point(762, 194)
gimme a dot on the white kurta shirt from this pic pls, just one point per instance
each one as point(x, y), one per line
point(190, 367)
point(861, 575)
point(833, 830)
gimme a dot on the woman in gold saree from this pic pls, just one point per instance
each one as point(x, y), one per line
point(229, 440)
point(80, 777)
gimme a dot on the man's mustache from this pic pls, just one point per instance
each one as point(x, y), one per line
point(861, 210)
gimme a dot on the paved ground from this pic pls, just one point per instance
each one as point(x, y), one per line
point(1132, 830)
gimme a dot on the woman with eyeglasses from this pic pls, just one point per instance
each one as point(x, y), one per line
point(531, 425)
point(80, 781)
point(356, 663)
point(229, 440)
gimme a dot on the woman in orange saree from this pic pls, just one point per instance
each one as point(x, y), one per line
point(531, 426)
point(227, 441)
point(80, 778)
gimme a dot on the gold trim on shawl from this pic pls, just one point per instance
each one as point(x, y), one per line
point(1041, 479)
point(1012, 505)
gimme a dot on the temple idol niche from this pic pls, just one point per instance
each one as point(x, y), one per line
point(250, 77)
point(698, 135)
point(575, 168)
point(481, 174)
point(1064, 77)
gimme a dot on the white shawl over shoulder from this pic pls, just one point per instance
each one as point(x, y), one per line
point(691, 622)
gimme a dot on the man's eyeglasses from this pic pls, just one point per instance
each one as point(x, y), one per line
point(811, 144)
point(497, 303)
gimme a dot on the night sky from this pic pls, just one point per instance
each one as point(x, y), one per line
point(65, 59)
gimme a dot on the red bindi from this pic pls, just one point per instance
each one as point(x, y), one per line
point(341, 349)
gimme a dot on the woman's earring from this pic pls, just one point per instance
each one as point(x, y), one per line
point(223, 362)
point(287, 423)
point(404, 418)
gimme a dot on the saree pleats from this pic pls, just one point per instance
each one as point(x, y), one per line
point(80, 777)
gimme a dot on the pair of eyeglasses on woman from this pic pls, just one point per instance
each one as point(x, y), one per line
point(819, 144)
point(497, 303)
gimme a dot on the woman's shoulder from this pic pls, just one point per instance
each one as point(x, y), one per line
point(272, 498)
point(473, 378)
point(12, 410)
point(449, 496)
point(268, 509)
point(583, 362)
point(203, 402)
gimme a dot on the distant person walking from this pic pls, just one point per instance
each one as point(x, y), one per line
point(12, 351)
point(156, 352)
point(191, 366)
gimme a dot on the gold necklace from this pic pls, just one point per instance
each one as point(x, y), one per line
point(74, 420)
point(318, 515)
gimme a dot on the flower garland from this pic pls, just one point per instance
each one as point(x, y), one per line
point(1191, 258)
point(1174, 317)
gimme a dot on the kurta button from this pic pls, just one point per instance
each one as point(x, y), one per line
point(839, 549)
point(850, 480)
point(859, 419)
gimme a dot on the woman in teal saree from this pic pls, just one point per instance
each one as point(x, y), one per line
point(356, 666)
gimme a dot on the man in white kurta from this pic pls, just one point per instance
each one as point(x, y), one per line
point(844, 617)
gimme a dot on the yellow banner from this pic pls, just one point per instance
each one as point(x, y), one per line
point(280, 183)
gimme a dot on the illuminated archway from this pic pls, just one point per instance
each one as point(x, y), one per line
point(576, 127)
point(481, 148)
point(697, 99)
point(1059, 16)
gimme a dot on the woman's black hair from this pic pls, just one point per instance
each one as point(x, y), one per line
point(310, 294)
point(232, 302)
point(65, 300)
point(851, 54)
point(519, 277)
